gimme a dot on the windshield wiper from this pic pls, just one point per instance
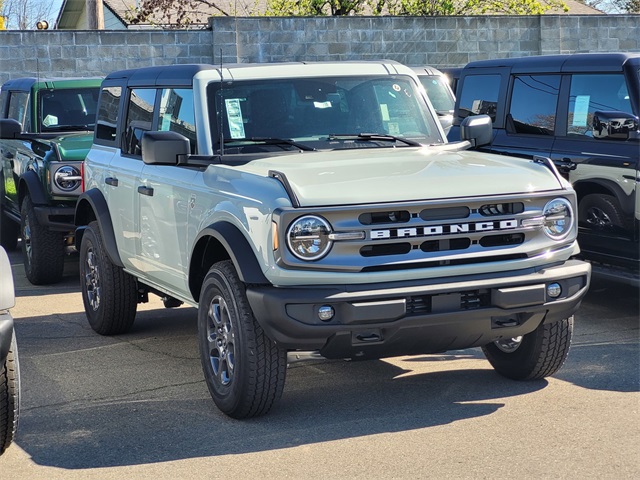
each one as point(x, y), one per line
point(272, 141)
point(382, 137)
point(70, 128)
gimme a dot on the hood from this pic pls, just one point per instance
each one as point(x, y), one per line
point(73, 146)
point(380, 175)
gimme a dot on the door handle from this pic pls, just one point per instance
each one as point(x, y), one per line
point(145, 190)
point(111, 181)
point(565, 165)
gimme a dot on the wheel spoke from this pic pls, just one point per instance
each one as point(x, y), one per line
point(220, 340)
point(92, 281)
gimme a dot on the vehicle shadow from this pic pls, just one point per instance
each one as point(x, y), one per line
point(91, 401)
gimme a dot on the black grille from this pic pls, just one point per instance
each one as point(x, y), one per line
point(494, 209)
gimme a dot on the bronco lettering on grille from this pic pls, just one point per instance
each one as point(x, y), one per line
point(449, 229)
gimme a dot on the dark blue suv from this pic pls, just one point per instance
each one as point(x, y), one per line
point(580, 110)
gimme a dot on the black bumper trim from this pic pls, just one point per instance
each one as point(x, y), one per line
point(374, 322)
point(59, 219)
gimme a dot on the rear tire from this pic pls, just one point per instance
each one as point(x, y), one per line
point(536, 355)
point(109, 293)
point(245, 371)
point(42, 249)
point(9, 396)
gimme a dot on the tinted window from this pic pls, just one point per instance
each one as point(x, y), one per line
point(592, 93)
point(176, 113)
point(533, 104)
point(18, 109)
point(108, 113)
point(139, 118)
point(479, 96)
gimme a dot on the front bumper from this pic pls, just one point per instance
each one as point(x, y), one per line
point(408, 318)
point(57, 219)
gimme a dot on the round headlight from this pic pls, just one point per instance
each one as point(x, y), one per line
point(67, 178)
point(308, 237)
point(558, 218)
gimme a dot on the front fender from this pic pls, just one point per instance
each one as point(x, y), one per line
point(31, 185)
point(221, 241)
point(93, 206)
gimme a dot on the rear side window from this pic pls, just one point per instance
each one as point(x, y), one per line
point(479, 96)
point(107, 118)
point(533, 104)
point(176, 113)
point(139, 118)
point(593, 93)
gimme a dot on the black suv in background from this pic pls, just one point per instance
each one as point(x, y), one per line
point(580, 110)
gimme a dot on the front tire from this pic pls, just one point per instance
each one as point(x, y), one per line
point(9, 396)
point(109, 293)
point(245, 371)
point(42, 249)
point(536, 355)
point(601, 212)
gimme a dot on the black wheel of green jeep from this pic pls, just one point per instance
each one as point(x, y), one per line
point(42, 249)
point(601, 212)
point(245, 371)
point(108, 292)
point(9, 230)
point(9, 396)
point(536, 355)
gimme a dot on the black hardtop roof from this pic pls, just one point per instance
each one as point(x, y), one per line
point(576, 62)
point(174, 75)
point(25, 83)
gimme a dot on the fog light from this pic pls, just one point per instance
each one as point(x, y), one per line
point(326, 313)
point(554, 290)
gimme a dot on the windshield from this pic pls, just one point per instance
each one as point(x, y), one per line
point(68, 109)
point(320, 113)
point(438, 92)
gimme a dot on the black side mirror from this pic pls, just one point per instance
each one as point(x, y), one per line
point(477, 129)
point(10, 129)
point(164, 148)
point(614, 125)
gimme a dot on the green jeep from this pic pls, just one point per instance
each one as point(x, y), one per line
point(46, 130)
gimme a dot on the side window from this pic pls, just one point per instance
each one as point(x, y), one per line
point(479, 96)
point(176, 113)
point(595, 93)
point(139, 118)
point(107, 117)
point(19, 109)
point(533, 104)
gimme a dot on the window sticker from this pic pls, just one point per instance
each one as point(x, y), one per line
point(234, 117)
point(580, 111)
point(326, 104)
point(394, 128)
point(385, 112)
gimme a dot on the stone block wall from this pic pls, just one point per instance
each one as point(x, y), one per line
point(436, 41)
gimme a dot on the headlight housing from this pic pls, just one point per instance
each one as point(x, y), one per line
point(558, 218)
point(308, 237)
point(66, 178)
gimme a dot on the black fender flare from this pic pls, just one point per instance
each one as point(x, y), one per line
point(93, 206)
point(30, 184)
point(605, 186)
point(237, 248)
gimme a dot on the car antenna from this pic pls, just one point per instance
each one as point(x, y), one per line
point(221, 112)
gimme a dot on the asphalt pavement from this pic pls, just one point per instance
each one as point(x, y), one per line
point(135, 406)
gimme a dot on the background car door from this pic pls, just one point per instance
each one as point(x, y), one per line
point(606, 165)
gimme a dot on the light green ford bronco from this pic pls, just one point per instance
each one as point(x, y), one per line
point(317, 207)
